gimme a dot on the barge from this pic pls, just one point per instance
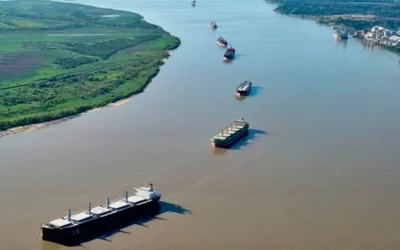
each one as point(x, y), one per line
point(229, 54)
point(222, 42)
point(244, 88)
point(340, 34)
point(231, 134)
point(75, 228)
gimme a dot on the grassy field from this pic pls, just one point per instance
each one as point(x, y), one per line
point(61, 59)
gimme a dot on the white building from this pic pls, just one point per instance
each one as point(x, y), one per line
point(387, 33)
point(394, 40)
point(377, 29)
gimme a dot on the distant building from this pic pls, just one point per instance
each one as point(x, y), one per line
point(387, 33)
point(369, 34)
point(377, 29)
point(380, 35)
point(394, 40)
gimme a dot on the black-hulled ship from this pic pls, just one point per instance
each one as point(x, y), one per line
point(229, 53)
point(231, 134)
point(213, 25)
point(340, 34)
point(74, 228)
point(244, 88)
point(222, 42)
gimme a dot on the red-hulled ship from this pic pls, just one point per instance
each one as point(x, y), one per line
point(229, 54)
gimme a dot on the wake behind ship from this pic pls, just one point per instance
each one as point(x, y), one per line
point(74, 228)
point(231, 134)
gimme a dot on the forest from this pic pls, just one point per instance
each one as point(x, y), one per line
point(354, 14)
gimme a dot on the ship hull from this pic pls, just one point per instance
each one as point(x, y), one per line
point(221, 44)
point(243, 92)
point(341, 37)
point(89, 230)
point(229, 142)
point(229, 56)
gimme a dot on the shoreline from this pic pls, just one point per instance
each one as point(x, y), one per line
point(36, 126)
point(117, 103)
point(319, 21)
point(331, 20)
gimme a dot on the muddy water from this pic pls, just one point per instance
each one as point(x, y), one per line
point(319, 170)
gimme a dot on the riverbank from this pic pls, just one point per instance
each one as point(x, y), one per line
point(84, 60)
point(117, 103)
point(323, 142)
point(353, 16)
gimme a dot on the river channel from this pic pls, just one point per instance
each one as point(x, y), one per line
point(320, 169)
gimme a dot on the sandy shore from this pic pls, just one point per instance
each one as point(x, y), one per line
point(33, 127)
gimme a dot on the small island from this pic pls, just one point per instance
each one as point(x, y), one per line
point(61, 59)
point(376, 21)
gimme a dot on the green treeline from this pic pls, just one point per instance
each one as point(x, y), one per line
point(385, 12)
point(73, 62)
point(320, 8)
point(104, 49)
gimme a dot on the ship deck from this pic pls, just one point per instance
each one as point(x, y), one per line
point(243, 87)
point(100, 211)
point(229, 131)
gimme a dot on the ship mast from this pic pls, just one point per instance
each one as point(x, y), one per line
point(107, 202)
point(69, 214)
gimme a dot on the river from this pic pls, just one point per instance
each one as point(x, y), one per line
point(320, 169)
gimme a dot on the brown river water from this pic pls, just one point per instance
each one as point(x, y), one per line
point(320, 169)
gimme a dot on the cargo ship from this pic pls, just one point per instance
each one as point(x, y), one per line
point(222, 42)
point(213, 25)
point(75, 228)
point(231, 134)
point(229, 54)
point(244, 88)
point(342, 35)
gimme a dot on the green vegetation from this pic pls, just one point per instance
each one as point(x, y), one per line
point(61, 59)
point(73, 62)
point(352, 14)
point(355, 14)
point(105, 49)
